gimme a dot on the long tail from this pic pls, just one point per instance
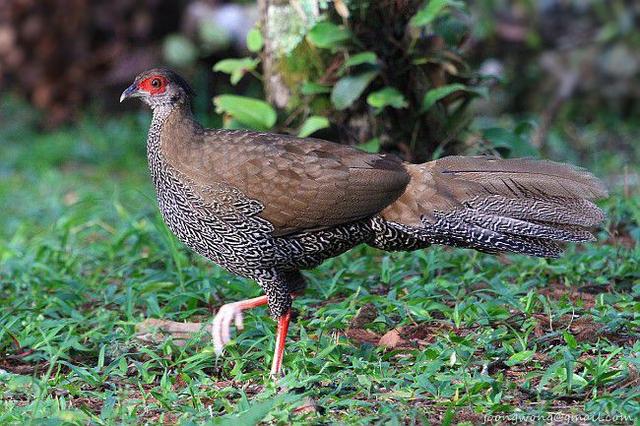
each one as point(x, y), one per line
point(493, 205)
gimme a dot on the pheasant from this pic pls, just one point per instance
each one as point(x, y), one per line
point(265, 206)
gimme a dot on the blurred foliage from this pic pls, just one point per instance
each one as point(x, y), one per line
point(551, 78)
point(569, 67)
point(403, 74)
point(387, 71)
point(63, 54)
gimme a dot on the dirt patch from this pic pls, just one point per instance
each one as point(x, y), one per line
point(408, 337)
point(18, 366)
point(360, 335)
point(365, 316)
point(585, 295)
point(584, 328)
point(93, 405)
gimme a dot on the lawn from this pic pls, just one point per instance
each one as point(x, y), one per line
point(469, 337)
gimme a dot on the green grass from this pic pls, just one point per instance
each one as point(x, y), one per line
point(85, 257)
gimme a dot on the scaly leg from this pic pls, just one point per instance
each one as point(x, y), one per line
point(281, 337)
point(221, 329)
point(280, 290)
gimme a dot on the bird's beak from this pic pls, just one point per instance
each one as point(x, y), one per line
point(130, 92)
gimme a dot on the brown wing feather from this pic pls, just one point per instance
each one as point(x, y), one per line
point(303, 184)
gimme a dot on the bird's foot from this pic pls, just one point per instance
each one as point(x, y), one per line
point(231, 312)
point(221, 329)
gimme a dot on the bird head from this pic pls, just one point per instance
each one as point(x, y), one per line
point(159, 87)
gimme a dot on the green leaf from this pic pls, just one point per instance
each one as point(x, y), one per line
point(388, 96)
point(327, 35)
point(361, 58)
point(254, 40)
point(252, 416)
point(349, 88)
point(237, 68)
point(372, 146)
point(569, 364)
point(571, 341)
point(312, 125)
point(552, 371)
point(500, 138)
point(156, 286)
point(310, 88)
point(213, 37)
point(517, 145)
point(431, 11)
point(434, 95)
point(448, 417)
point(519, 358)
point(253, 112)
point(179, 50)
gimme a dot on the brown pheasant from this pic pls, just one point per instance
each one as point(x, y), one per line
point(265, 206)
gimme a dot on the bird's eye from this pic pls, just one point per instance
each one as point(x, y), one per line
point(155, 83)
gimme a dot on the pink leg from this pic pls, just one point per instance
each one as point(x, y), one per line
point(281, 337)
point(221, 329)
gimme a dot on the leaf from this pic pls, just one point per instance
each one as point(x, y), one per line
point(254, 40)
point(252, 416)
point(389, 96)
point(520, 358)
point(372, 146)
point(327, 35)
point(310, 88)
point(349, 88)
point(434, 95)
point(237, 68)
point(391, 339)
point(179, 50)
point(361, 58)
point(570, 340)
point(155, 286)
point(500, 138)
point(431, 11)
point(312, 125)
point(517, 145)
point(448, 417)
point(569, 364)
point(213, 37)
point(552, 371)
point(253, 112)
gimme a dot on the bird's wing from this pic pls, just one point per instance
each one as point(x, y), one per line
point(302, 183)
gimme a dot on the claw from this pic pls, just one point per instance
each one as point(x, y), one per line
point(221, 328)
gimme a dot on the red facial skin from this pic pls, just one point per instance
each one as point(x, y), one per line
point(148, 86)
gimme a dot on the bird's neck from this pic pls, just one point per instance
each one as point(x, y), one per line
point(171, 127)
point(160, 120)
point(166, 117)
point(160, 115)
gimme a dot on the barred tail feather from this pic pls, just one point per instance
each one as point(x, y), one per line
point(491, 205)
